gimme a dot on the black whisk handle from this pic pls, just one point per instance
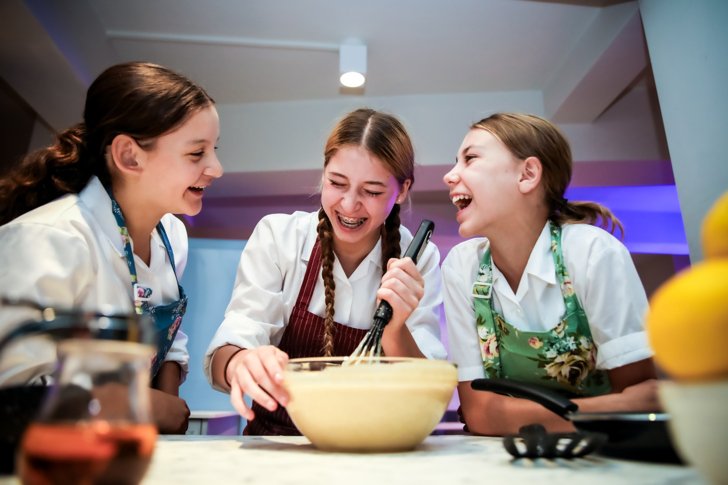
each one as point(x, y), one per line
point(384, 312)
point(419, 241)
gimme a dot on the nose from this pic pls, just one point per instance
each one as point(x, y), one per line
point(350, 201)
point(451, 177)
point(214, 169)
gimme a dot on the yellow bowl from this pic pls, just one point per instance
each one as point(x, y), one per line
point(388, 405)
point(699, 424)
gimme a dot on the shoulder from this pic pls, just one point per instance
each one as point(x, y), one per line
point(297, 224)
point(53, 213)
point(466, 253)
point(60, 219)
point(587, 240)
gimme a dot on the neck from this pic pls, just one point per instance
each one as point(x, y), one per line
point(140, 222)
point(511, 250)
point(351, 255)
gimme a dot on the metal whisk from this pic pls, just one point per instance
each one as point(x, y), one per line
point(371, 345)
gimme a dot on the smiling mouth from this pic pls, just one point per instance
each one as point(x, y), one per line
point(199, 190)
point(351, 222)
point(461, 201)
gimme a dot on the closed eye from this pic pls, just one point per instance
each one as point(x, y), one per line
point(372, 194)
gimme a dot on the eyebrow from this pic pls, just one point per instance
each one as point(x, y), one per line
point(368, 182)
point(463, 152)
point(200, 140)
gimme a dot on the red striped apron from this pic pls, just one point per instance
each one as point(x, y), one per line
point(303, 337)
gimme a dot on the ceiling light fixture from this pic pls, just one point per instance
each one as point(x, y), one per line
point(352, 64)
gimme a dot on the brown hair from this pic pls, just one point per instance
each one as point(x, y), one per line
point(138, 99)
point(527, 135)
point(384, 137)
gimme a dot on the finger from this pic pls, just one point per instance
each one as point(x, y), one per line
point(273, 378)
point(406, 288)
point(402, 269)
point(257, 384)
point(401, 307)
point(236, 398)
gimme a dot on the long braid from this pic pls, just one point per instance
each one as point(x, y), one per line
point(326, 237)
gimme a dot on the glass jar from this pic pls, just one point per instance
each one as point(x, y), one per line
point(95, 425)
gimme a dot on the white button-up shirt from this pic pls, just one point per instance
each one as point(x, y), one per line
point(270, 274)
point(69, 254)
point(604, 278)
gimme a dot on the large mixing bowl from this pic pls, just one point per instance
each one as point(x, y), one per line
point(391, 404)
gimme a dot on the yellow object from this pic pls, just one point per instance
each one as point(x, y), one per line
point(714, 232)
point(390, 405)
point(687, 323)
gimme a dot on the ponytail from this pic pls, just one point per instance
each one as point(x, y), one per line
point(61, 168)
point(563, 212)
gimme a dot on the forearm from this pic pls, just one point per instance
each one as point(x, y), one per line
point(220, 359)
point(168, 378)
point(397, 341)
point(490, 414)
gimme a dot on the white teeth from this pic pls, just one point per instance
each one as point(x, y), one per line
point(458, 198)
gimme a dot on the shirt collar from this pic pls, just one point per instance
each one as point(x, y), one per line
point(541, 262)
point(98, 202)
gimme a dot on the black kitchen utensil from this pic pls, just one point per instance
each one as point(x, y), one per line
point(533, 441)
point(371, 345)
point(630, 435)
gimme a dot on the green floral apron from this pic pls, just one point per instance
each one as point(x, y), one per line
point(563, 358)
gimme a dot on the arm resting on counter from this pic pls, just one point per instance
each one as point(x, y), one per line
point(487, 413)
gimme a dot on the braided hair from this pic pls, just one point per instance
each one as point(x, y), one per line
point(386, 138)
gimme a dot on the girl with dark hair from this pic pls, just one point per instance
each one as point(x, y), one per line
point(87, 222)
point(542, 295)
point(308, 283)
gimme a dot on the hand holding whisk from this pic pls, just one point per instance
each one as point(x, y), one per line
point(371, 345)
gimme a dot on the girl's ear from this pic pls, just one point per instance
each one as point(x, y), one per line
point(530, 177)
point(404, 191)
point(125, 153)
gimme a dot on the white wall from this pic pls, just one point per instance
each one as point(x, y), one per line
point(688, 45)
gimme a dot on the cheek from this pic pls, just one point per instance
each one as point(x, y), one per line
point(328, 197)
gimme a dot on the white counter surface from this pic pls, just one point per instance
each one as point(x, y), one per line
point(443, 459)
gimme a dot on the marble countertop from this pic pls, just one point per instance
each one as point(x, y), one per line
point(440, 459)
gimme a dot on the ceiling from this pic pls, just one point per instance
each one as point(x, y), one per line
point(582, 57)
point(581, 54)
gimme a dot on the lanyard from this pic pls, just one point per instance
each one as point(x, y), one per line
point(141, 293)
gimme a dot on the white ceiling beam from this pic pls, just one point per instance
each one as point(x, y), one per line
point(605, 61)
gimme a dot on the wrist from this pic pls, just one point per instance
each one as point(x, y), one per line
point(227, 365)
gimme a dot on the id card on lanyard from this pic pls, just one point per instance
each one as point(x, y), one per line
point(167, 318)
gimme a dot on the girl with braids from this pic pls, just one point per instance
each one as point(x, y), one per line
point(542, 296)
point(87, 222)
point(308, 283)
